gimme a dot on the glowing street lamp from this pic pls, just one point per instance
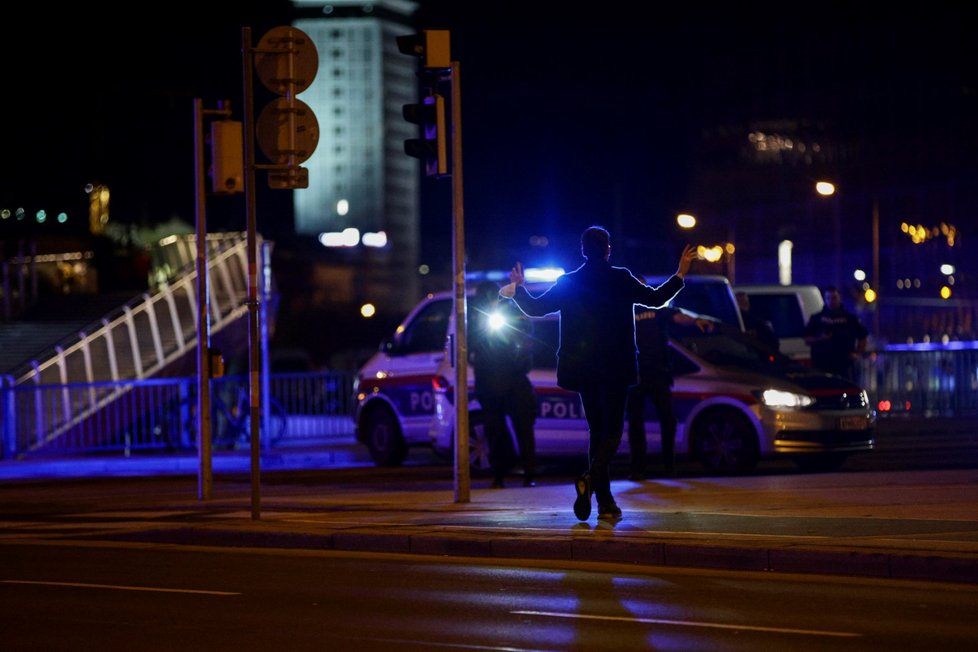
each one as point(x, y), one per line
point(825, 188)
point(714, 253)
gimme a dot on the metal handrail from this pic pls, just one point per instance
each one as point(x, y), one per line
point(143, 337)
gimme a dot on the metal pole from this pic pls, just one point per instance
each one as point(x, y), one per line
point(6, 291)
point(731, 255)
point(837, 243)
point(254, 314)
point(876, 271)
point(266, 294)
point(204, 474)
point(462, 472)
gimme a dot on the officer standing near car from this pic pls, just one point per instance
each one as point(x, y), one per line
point(837, 337)
point(655, 379)
point(501, 355)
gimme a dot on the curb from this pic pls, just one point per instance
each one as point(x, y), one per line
point(959, 569)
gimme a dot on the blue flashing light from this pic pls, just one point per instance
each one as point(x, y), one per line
point(531, 274)
point(968, 345)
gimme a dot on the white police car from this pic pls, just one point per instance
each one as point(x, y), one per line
point(735, 403)
point(395, 399)
point(393, 391)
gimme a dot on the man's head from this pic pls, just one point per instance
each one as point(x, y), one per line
point(833, 299)
point(596, 243)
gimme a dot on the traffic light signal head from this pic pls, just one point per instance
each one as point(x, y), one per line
point(432, 147)
point(432, 46)
point(227, 152)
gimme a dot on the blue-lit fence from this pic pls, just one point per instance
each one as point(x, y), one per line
point(923, 380)
point(309, 408)
point(160, 414)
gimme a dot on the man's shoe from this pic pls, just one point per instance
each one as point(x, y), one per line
point(497, 484)
point(636, 477)
point(528, 481)
point(582, 505)
point(609, 511)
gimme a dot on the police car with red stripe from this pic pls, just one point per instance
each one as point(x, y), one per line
point(394, 390)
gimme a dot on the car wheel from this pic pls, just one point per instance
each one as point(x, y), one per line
point(821, 462)
point(382, 435)
point(478, 443)
point(724, 441)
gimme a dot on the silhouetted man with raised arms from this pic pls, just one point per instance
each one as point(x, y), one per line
point(597, 354)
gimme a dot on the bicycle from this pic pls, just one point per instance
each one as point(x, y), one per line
point(230, 422)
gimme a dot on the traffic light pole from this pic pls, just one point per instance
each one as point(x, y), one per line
point(205, 363)
point(462, 462)
point(433, 47)
point(254, 315)
point(204, 472)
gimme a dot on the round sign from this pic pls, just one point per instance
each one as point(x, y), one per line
point(287, 130)
point(272, 60)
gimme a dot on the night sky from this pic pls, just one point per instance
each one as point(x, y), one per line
point(571, 116)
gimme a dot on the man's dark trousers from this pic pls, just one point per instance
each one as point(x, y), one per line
point(604, 409)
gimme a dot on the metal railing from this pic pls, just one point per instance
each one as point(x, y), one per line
point(160, 414)
point(146, 334)
point(138, 340)
point(305, 408)
point(939, 381)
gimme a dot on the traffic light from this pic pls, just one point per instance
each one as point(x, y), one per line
point(227, 157)
point(432, 47)
point(432, 148)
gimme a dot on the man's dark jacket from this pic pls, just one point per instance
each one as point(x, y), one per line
point(596, 303)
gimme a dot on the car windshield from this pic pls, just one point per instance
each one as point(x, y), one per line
point(728, 349)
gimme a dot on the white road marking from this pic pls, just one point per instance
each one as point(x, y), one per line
point(688, 623)
point(118, 587)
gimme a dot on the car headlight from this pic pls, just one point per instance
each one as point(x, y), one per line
point(776, 398)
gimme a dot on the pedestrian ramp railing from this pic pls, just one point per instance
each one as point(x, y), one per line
point(160, 414)
point(142, 337)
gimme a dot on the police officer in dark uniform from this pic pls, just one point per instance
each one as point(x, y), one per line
point(837, 337)
point(655, 380)
point(501, 355)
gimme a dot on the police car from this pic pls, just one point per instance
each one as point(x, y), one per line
point(395, 399)
point(735, 401)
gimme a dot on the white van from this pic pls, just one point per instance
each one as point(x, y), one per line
point(395, 401)
point(787, 308)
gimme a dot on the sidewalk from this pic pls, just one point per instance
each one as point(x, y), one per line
point(908, 525)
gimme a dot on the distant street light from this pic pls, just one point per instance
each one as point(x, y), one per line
point(713, 253)
point(825, 188)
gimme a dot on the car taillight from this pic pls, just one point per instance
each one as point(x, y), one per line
point(441, 384)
